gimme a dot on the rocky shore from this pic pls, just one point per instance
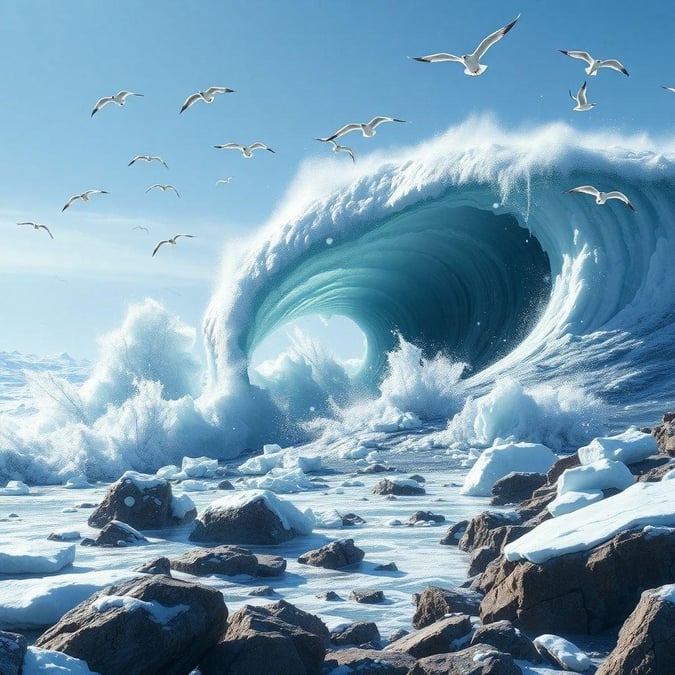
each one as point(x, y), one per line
point(586, 549)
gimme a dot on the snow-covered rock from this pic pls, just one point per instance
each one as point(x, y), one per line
point(629, 447)
point(562, 653)
point(498, 461)
point(573, 500)
point(600, 475)
point(48, 662)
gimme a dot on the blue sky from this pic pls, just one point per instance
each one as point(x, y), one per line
point(301, 68)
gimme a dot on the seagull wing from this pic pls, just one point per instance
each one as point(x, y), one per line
point(436, 58)
point(122, 95)
point(230, 146)
point(160, 160)
point(615, 194)
point(349, 151)
point(94, 192)
point(190, 100)
point(492, 38)
point(259, 146)
point(192, 236)
point(668, 88)
point(584, 56)
point(376, 121)
point(161, 243)
point(586, 189)
point(44, 227)
point(100, 103)
point(614, 65)
point(581, 94)
point(152, 187)
point(28, 222)
point(171, 187)
point(342, 131)
point(136, 159)
point(217, 90)
point(70, 201)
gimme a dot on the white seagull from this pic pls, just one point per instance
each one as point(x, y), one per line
point(207, 96)
point(367, 128)
point(37, 226)
point(141, 227)
point(471, 62)
point(147, 158)
point(224, 181)
point(602, 197)
point(595, 64)
point(246, 150)
point(171, 241)
point(342, 148)
point(582, 103)
point(163, 188)
point(84, 197)
point(119, 98)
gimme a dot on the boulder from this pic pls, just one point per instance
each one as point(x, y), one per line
point(333, 556)
point(13, 649)
point(582, 592)
point(505, 637)
point(516, 487)
point(329, 596)
point(562, 653)
point(557, 470)
point(492, 545)
point(113, 629)
point(478, 659)
point(425, 517)
point(351, 519)
point(435, 638)
point(646, 644)
point(455, 533)
point(435, 602)
point(356, 633)
point(142, 501)
point(116, 534)
point(270, 565)
point(155, 566)
point(366, 661)
point(665, 434)
point(401, 487)
point(656, 470)
point(478, 530)
point(367, 596)
point(226, 560)
point(275, 640)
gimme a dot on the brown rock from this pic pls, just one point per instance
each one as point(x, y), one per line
point(665, 434)
point(478, 530)
point(270, 565)
point(478, 659)
point(393, 487)
point(225, 560)
point(370, 661)
point(455, 533)
point(333, 556)
point(516, 487)
point(155, 566)
point(557, 470)
point(356, 633)
point(13, 648)
point(425, 517)
point(434, 603)
point(435, 638)
point(117, 535)
point(367, 596)
point(493, 544)
point(646, 644)
point(657, 472)
point(115, 639)
point(505, 637)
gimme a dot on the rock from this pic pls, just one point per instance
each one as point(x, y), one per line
point(329, 596)
point(369, 661)
point(249, 519)
point(225, 485)
point(113, 629)
point(262, 592)
point(657, 472)
point(425, 517)
point(225, 560)
point(356, 633)
point(270, 565)
point(435, 602)
point(455, 533)
point(418, 479)
point(665, 435)
point(333, 556)
point(386, 567)
point(367, 596)
point(436, 638)
point(117, 535)
point(478, 530)
point(70, 535)
point(141, 501)
point(155, 566)
point(476, 660)
point(557, 470)
point(13, 649)
point(516, 487)
point(397, 635)
point(274, 640)
point(398, 486)
point(493, 545)
point(351, 519)
point(534, 511)
point(505, 637)
point(583, 592)
point(376, 468)
point(646, 644)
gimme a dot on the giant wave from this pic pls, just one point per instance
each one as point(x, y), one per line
point(494, 305)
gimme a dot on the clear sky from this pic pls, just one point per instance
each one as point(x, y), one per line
point(300, 68)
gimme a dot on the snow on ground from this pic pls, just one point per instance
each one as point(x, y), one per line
point(600, 475)
point(628, 447)
point(34, 557)
point(47, 662)
point(637, 506)
point(500, 460)
point(573, 500)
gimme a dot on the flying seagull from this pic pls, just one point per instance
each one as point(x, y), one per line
point(582, 103)
point(224, 181)
point(163, 188)
point(595, 64)
point(207, 96)
point(342, 148)
point(37, 226)
point(246, 150)
point(141, 227)
point(119, 98)
point(171, 241)
point(471, 62)
point(602, 197)
point(367, 128)
point(84, 197)
point(147, 158)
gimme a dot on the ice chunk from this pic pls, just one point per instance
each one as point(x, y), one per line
point(34, 557)
point(600, 475)
point(573, 500)
point(628, 447)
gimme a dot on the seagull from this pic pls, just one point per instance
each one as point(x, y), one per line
point(84, 197)
point(147, 158)
point(367, 128)
point(119, 98)
point(224, 181)
point(247, 150)
point(342, 148)
point(471, 62)
point(582, 104)
point(163, 188)
point(595, 64)
point(602, 197)
point(37, 226)
point(207, 96)
point(141, 227)
point(171, 241)
point(668, 88)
